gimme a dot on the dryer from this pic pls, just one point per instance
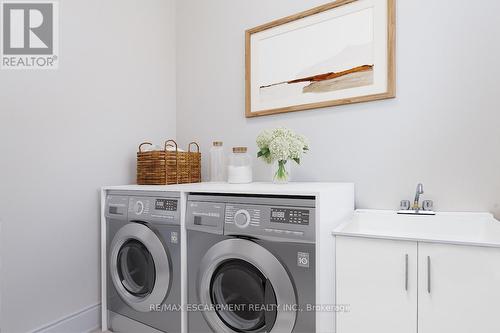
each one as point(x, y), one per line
point(143, 254)
point(251, 263)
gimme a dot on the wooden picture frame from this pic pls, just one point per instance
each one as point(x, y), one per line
point(362, 83)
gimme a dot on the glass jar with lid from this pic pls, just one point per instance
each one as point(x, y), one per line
point(239, 169)
point(217, 167)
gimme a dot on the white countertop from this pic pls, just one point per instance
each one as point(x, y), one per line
point(475, 229)
point(292, 188)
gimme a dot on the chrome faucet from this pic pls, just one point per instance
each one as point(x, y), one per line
point(416, 202)
point(406, 207)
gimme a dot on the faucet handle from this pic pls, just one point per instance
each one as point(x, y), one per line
point(405, 205)
point(427, 205)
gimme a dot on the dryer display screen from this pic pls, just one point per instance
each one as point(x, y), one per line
point(166, 205)
point(290, 216)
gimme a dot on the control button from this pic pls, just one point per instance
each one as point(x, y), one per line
point(242, 218)
point(139, 207)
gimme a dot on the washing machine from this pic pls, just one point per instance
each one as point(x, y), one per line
point(143, 253)
point(251, 264)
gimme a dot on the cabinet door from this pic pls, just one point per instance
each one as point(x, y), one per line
point(377, 280)
point(459, 289)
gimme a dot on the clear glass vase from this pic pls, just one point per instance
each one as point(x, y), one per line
point(281, 172)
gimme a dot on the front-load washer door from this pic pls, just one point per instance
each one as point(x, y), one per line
point(245, 288)
point(139, 267)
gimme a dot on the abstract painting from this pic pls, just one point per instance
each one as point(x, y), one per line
point(335, 54)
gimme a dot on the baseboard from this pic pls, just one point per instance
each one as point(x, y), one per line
point(83, 321)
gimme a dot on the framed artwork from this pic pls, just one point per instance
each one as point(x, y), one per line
point(339, 53)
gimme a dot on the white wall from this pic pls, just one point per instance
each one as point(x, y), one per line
point(442, 129)
point(73, 130)
point(66, 133)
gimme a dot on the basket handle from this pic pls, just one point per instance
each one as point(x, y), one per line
point(197, 147)
point(144, 144)
point(171, 143)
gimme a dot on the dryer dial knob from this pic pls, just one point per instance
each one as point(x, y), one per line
point(242, 218)
point(139, 207)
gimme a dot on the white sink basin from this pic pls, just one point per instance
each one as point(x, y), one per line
point(480, 229)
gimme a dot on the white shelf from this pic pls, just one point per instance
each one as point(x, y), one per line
point(292, 188)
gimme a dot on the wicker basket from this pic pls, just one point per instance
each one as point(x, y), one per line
point(168, 167)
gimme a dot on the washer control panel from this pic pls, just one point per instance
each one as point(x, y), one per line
point(275, 222)
point(152, 209)
point(274, 218)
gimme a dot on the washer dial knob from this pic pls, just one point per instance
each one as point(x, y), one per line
point(242, 218)
point(139, 207)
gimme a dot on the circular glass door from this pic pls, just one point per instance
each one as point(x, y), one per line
point(238, 291)
point(139, 267)
point(136, 268)
point(248, 289)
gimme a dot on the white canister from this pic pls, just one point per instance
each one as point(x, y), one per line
point(239, 169)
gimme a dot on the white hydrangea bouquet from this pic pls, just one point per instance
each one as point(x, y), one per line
point(281, 146)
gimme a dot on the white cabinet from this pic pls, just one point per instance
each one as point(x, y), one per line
point(377, 280)
point(461, 291)
point(449, 288)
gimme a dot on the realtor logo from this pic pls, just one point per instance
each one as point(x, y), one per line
point(29, 35)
